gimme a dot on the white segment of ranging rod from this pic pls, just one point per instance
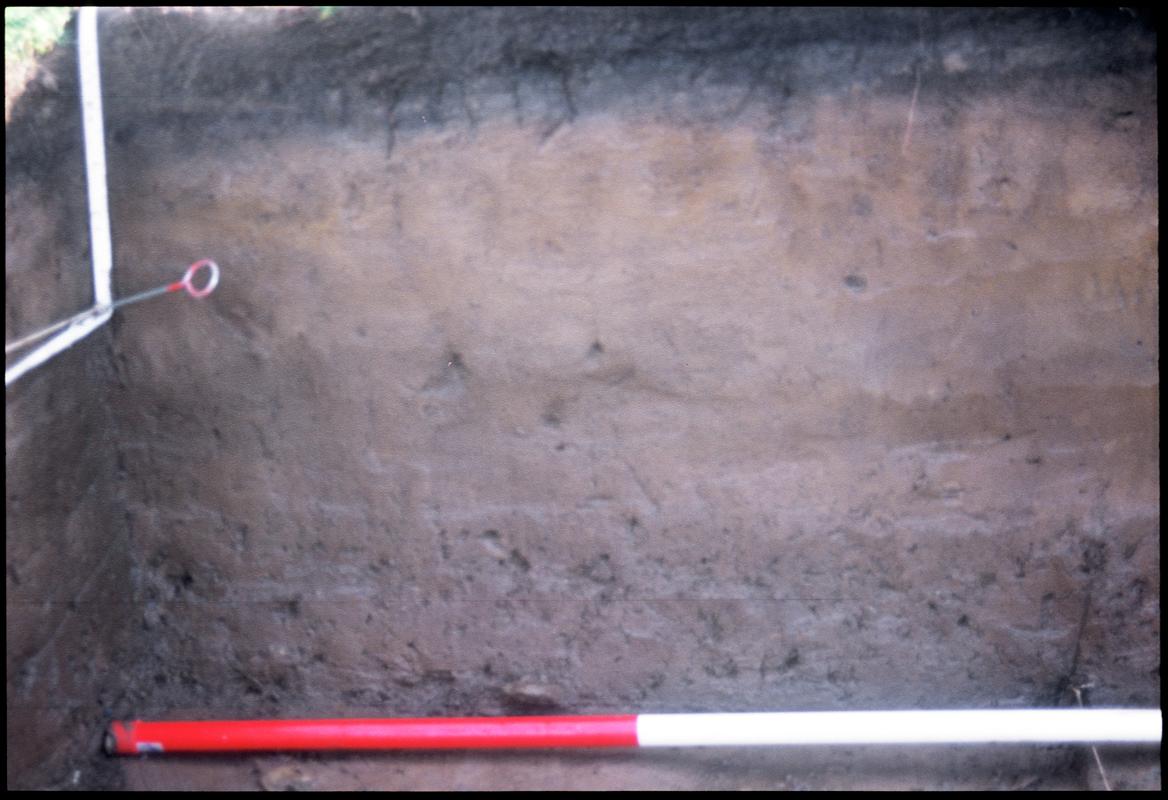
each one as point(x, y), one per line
point(1067, 725)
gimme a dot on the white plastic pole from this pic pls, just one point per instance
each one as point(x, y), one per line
point(99, 227)
point(93, 125)
point(73, 333)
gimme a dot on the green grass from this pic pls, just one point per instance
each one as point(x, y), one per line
point(29, 32)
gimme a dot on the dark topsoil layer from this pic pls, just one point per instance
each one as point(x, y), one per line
point(202, 72)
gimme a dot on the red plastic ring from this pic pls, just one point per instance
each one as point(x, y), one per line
point(188, 279)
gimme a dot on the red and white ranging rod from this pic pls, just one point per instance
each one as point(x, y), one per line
point(1000, 726)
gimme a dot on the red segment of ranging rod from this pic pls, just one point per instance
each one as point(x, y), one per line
point(127, 738)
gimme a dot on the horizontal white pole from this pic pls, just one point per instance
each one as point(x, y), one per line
point(1061, 725)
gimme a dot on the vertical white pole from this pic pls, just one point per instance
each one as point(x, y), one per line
point(93, 126)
